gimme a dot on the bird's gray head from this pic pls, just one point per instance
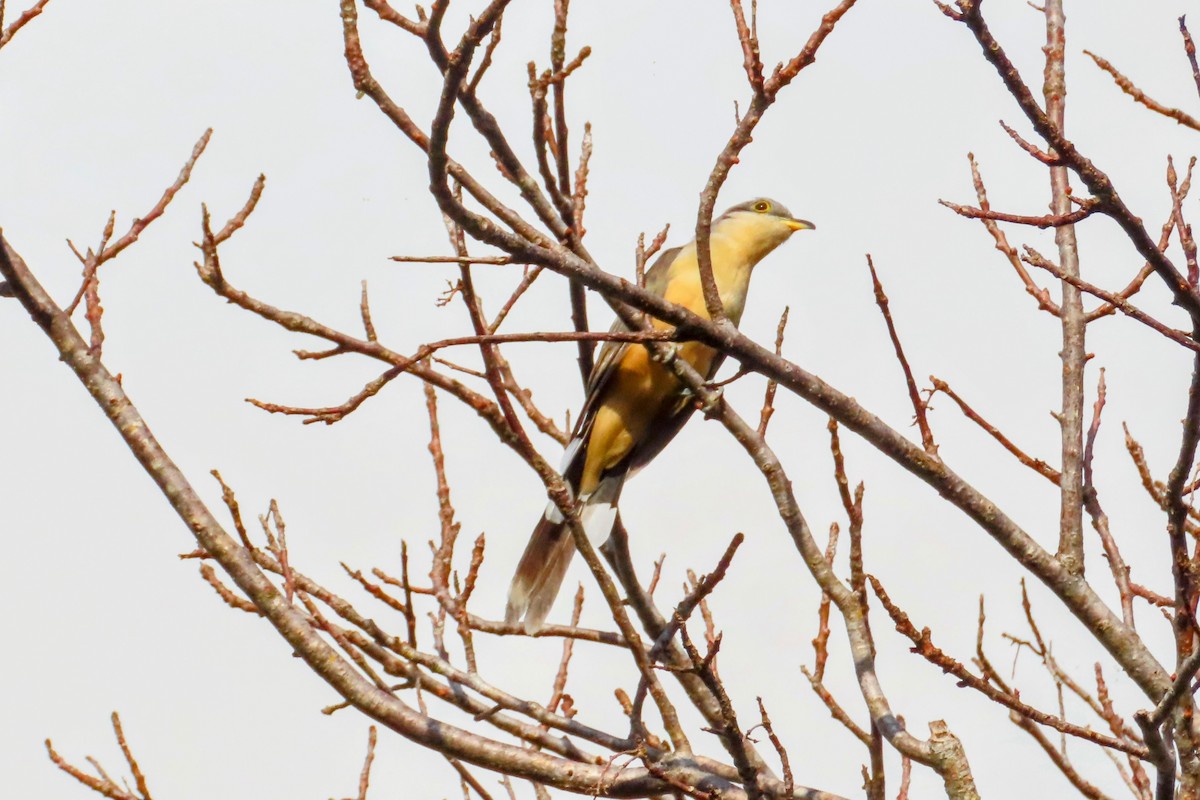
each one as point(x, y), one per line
point(760, 225)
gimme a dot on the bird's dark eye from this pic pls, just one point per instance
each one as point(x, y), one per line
point(762, 206)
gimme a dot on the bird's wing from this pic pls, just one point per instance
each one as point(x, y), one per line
point(611, 352)
point(669, 424)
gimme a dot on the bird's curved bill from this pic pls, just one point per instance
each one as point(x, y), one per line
point(800, 225)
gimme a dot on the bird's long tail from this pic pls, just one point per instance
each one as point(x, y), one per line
point(544, 563)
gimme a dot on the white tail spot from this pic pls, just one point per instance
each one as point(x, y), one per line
point(598, 520)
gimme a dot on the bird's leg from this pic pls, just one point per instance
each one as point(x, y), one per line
point(713, 397)
point(665, 353)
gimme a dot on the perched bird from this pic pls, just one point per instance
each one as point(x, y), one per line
point(635, 405)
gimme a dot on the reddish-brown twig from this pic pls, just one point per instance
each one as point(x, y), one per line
point(459, 609)
point(1135, 775)
point(469, 780)
point(820, 643)
point(1155, 488)
point(557, 695)
point(1091, 502)
point(277, 543)
point(764, 93)
point(1098, 183)
point(103, 784)
point(1164, 239)
point(530, 275)
point(439, 573)
point(1037, 292)
point(486, 61)
point(389, 14)
point(1059, 758)
point(1036, 259)
point(109, 250)
point(1189, 48)
point(1127, 86)
point(557, 78)
point(6, 34)
point(924, 647)
point(375, 590)
point(545, 146)
point(230, 499)
point(1183, 229)
point(1049, 159)
point(364, 777)
point(89, 288)
point(835, 708)
point(364, 312)
point(410, 618)
point(225, 593)
point(853, 506)
point(579, 197)
point(789, 782)
point(643, 254)
point(914, 395)
point(497, 260)
point(1036, 464)
point(1044, 221)
point(697, 594)
point(748, 38)
point(768, 406)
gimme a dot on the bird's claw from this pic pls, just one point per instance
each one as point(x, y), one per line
point(665, 354)
point(712, 399)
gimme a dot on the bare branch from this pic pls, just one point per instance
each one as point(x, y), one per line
point(914, 396)
point(26, 16)
point(924, 647)
point(768, 407)
point(1073, 354)
point(1124, 306)
point(1010, 252)
point(1097, 182)
point(1036, 464)
point(1091, 502)
point(1127, 86)
point(364, 778)
point(1045, 221)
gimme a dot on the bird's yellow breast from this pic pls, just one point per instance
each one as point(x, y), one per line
point(731, 271)
point(642, 392)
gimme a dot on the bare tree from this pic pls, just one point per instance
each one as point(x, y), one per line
point(408, 677)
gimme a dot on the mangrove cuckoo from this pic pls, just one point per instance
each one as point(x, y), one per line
point(635, 405)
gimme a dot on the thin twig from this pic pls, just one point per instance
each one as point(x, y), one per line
point(364, 778)
point(1037, 292)
point(6, 34)
point(924, 647)
point(768, 406)
point(1036, 464)
point(914, 396)
point(1091, 502)
point(1036, 259)
point(1127, 86)
point(1045, 221)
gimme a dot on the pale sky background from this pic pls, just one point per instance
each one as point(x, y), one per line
point(103, 100)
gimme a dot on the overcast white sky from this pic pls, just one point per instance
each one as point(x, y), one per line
point(102, 101)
